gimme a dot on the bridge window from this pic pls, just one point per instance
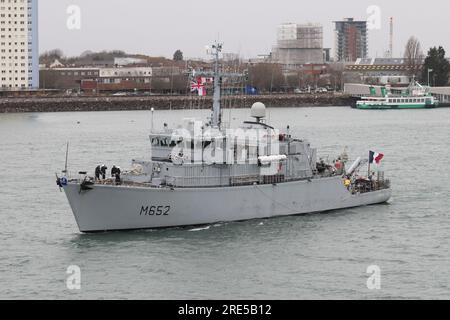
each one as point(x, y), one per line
point(164, 142)
point(155, 142)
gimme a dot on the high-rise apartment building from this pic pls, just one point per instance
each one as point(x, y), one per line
point(351, 40)
point(19, 46)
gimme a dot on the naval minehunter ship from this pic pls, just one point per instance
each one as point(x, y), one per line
point(204, 173)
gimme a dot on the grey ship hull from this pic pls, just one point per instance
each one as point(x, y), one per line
point(108, 208)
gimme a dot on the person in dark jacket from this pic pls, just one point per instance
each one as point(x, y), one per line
point(118, 172)
point(113, 171)
point(103, 170)
point(98, 171)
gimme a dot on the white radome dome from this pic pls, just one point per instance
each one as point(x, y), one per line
point(258, 110)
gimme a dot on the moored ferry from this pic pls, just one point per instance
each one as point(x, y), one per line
point(416, 97)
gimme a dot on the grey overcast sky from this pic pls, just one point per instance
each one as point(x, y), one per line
point(247, 27)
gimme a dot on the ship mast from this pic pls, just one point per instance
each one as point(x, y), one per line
point(215, 117)
point(217, 75)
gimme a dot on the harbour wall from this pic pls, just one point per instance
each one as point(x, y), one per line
point(109, 103)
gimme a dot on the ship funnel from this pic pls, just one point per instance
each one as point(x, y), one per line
point(258, 111)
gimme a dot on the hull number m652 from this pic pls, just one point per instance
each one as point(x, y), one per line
point(155, 210)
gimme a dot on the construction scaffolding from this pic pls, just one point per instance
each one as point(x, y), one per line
point(299, 44)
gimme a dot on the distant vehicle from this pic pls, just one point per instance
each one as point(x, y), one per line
point(321, 90)
point(120, 94)
point(249, 90)
point(307, 89)
point(72, 93)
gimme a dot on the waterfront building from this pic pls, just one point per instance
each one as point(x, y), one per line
point(299, 44)
point(114, 79)
point(19, 46)
point(381, 71)
point(66, 78)
point(127, 61)
point(351, 40)
point(442, 94)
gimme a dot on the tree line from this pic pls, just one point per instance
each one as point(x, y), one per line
point(432, 69)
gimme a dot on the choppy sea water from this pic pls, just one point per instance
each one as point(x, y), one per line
point(322, 256)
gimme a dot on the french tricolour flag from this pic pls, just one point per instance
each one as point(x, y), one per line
point(375, 158)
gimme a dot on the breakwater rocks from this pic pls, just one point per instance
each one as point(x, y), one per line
point(109, 103)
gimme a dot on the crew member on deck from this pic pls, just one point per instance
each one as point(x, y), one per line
point(113, 171)
point(103, 170)
point(98, 171)
point(117, 175)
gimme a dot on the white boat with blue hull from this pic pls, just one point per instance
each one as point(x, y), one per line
point(204, 173)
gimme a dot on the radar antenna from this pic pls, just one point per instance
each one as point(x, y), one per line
point(218, 75)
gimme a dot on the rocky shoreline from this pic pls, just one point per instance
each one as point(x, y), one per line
point(108, 103)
